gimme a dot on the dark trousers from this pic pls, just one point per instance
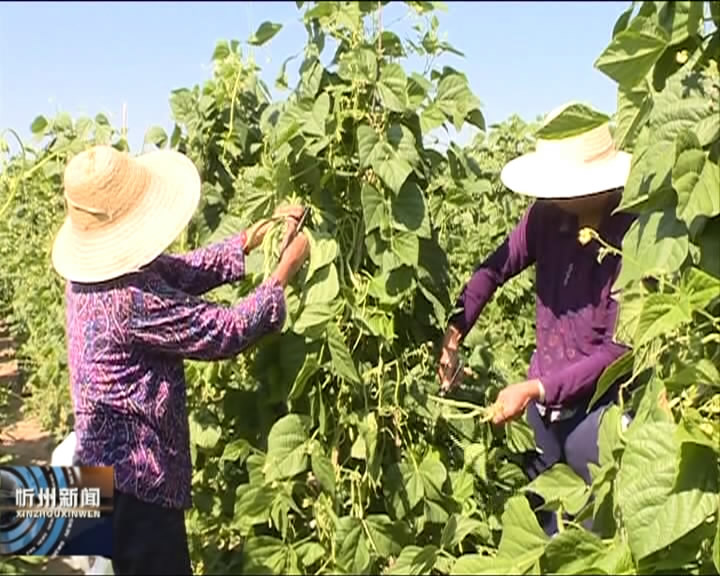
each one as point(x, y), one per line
point(148, 539)
point(573, 441)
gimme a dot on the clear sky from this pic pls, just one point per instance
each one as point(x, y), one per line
point(85, 58)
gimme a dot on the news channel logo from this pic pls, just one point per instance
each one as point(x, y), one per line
point(39, 506)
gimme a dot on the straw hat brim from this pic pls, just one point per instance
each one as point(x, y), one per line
point(538, 176)
point(167, 205)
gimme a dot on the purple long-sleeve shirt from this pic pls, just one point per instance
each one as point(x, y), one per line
point(127, 340)
point(575, 311)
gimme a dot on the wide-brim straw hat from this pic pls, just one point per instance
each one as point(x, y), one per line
point(123, 211)
point(580, 165)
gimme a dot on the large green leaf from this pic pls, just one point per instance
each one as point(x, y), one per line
point(39, 125)
point(324, 286)
point(675, 112)
point(701, 372)
point(656, 243)
point(252, 505)
point(617, 559)
point(205, 434)
point(156, 135)
point(323, 468)
point(358, 66)
point(457, 529)
point(431, 117)
point(519, 436)
point(268, 555)
point(409, 482)
point(314, 316)
point(392, 169)
point(661, 315)
point(451, 89)
point(649, 174)
point(573, 552)
point(651, 408)
point(374, 207)
point(392, 87)
point(342, 361)
point(633, 106)
point(323, 251)
point(367, 139)
point(623, 21)
point(353, 554)
point(236, 451)
point(403, 142)
point(633, 52)
point(287, 448)
point(610, 376)
point(433, 475)
point(571, 121)
point(387, 536)
point(409, 210)
point(561, 485)
point(655, 514)
point(700, 288)
point(471, 564)
point(265, 32)
point(406, 247)
point(455, 99)
point(609, 435)
point(681, 19)
point(314, 123)
point(310, 553)
point(475, 458)
point(522, 538)
point(415, 561)
point(309, 368)
point(695, 430)
point(697, 182)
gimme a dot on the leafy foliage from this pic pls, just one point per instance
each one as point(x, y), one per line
point(31, 294)
point(339, 459)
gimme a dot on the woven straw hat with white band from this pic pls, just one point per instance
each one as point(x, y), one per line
point(123, 212)
point(571, 167)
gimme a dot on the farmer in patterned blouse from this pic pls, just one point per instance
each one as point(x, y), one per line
point(578, 183)
point(133, 315)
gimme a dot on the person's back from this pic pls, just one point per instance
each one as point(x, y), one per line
point(130, 402)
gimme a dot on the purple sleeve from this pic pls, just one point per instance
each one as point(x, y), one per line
point(169, 321)
point(204, 269)
point(577, 380)
point(512, 257)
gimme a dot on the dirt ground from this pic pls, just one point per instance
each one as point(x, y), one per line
point(23, 437)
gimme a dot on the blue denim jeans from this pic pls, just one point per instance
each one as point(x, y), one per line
point(572, 441)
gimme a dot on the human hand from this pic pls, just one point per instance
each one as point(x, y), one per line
point(256, 233)
point(292, 259)
point(512, 400)
point(448, 366)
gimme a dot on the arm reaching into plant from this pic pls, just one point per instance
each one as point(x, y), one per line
point(170, 321)
point(206, 268)
point(513, 256)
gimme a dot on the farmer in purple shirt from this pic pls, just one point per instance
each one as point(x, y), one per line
point(578, 182)
point(133, 315)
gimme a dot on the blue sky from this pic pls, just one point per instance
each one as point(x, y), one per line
point(85, 58)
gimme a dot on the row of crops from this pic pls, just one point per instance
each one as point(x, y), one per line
point(338, 459)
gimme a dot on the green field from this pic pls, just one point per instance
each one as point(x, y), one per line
point(339, 460)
